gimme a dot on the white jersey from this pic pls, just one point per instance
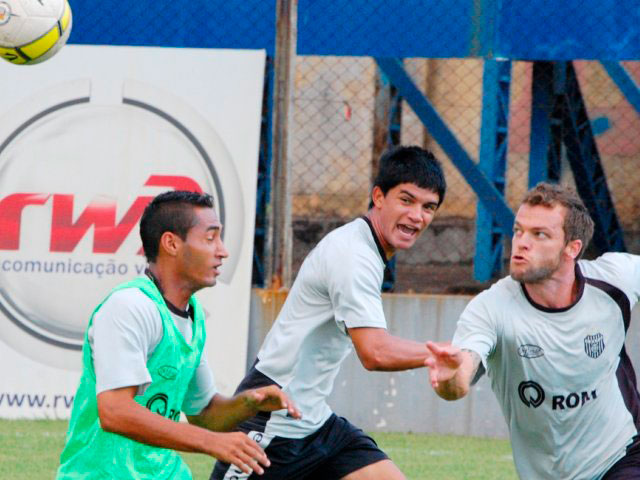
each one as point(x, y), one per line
point(125, 332)
point(337, 287)
point(562, 377)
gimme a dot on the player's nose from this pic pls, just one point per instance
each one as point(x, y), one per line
point(521, 242)
point(415, 215)
point(222, 251)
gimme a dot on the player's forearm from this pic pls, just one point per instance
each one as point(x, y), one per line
point(453, 389)
point(223, 414)
point(458, 386)
point(395, 354)
point(136, 422)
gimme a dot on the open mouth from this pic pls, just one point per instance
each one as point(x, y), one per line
point(408, 230)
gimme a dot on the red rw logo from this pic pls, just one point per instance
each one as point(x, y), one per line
point(65, 233)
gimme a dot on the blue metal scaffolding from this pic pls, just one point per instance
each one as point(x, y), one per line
point(560, 119)
point(494, 141)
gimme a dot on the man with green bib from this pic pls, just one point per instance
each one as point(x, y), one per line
point(143, 362)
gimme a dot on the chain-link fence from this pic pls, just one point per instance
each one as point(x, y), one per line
point(334, 153)
point(577, 115)
point(564, 121)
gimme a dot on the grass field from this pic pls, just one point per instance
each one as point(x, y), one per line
point(30, 451)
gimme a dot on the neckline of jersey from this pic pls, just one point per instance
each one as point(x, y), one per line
point(383, 255)
point(581, 281)
point(188, 313)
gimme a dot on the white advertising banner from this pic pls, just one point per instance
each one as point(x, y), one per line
point(87, 139)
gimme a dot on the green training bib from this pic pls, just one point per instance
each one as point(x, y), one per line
point(92, 453)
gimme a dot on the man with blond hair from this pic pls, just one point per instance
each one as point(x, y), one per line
point(551, 338)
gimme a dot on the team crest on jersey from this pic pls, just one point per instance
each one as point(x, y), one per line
point(594, 345)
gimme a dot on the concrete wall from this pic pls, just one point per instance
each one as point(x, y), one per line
point(404, 401)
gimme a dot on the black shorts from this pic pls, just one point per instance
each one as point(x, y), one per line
point(628, 467)
point(334, 451)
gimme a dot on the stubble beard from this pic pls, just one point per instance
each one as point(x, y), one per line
point(537, 274)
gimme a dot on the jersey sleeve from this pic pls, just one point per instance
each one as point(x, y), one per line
point(476, 329)
point(124, 331)
point(201, 390)
point(619, 269)
point(354, 289)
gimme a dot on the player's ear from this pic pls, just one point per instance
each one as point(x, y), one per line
point(170, 243)
point(573, 248)
point(377, 196)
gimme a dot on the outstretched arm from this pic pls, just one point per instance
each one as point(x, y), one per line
point(224, 413)
point(378, 350)
point(120, 413)
point(451, 369)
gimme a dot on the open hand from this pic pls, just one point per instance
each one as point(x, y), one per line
point(443, 363)
point(269, 399)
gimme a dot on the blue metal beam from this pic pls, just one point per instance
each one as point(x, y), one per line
point(496, 84)
point(559, 117)
point(583, 156)
point(624, 81)
point(546, 126)
point(263, 192)
point(482, 186)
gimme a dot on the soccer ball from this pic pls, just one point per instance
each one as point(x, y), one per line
point(32, 31)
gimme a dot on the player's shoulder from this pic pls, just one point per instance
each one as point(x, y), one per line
point(127, 313)
point(621, 270)
point(130, 297)
point(347, 252)
point(499, 296)
point(503, 289)
point(130, 303)
point(347, 233)
point(612, 267)
point(351, 240)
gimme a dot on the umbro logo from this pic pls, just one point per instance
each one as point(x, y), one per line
point(168, 372)
point(530, 351)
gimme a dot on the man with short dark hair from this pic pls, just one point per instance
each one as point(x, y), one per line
point(335, 305)
point(551, 338)
point(144, 362)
